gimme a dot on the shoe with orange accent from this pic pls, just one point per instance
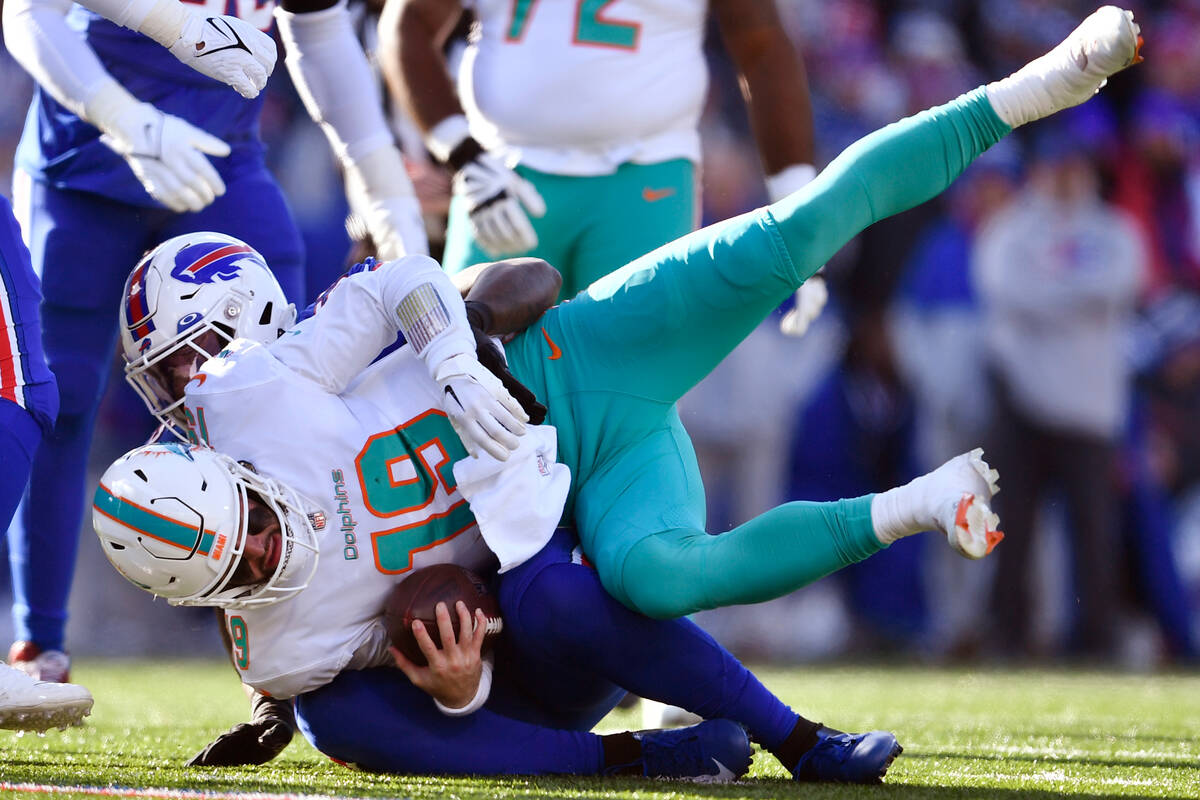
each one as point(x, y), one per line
point(53, 666)
point(965, 516)
point(1105, 43)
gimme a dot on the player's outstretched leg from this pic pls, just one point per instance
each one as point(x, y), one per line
point(372, 719)
point(667, 566)
point(31, 705)
point(655, 327)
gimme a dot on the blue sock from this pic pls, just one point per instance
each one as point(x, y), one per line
point(571, 635)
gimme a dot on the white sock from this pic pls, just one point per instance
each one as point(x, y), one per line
point(900, 512)
point(914, 507)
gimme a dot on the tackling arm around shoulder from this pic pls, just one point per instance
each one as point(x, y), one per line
point(361, 315)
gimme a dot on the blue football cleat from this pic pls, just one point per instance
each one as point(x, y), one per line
point(715, 751)
point(848, 757)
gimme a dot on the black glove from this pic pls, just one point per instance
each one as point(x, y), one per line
point(492, 359)
point(271, 726)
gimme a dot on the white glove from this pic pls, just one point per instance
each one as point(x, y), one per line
point(498, 201)
point(227, 49)
point(810, 299)
point(484, 415)
point(166, 153)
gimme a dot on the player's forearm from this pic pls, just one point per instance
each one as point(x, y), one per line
point(776, 94)
point(515, 292)
point(57, 57)
point(161, 20)
point(773, 81)
point(411, 36)
point(332, 76)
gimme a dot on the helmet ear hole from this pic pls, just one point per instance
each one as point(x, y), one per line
point(116, 546)
point(265, 319)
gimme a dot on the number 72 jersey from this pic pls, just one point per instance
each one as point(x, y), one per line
point(377, 460)
point(580, 86)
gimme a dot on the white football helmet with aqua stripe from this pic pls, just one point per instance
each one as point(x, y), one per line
point(173, 519)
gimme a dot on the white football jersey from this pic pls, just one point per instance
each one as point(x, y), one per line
point(578, 88)
point(367, 446)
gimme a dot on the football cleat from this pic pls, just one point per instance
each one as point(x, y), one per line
point(53, 666)
point(716, 751)
point(32, 705)
point(848, 757)
point(1105, 43)
point(968, 484)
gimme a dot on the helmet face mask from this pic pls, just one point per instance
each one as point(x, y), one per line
point(175, 520)
point(180, 296)
point(160, 375)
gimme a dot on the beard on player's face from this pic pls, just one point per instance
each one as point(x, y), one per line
point(263, 546)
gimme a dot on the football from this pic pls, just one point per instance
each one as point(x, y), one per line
point(416, 598)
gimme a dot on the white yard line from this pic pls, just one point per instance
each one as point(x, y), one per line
point(168, 794)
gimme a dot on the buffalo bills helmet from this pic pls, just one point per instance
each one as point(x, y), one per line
point(184, 301)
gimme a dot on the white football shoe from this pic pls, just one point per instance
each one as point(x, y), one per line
point(967, 484)
point(1105, 43)
point(32, 705)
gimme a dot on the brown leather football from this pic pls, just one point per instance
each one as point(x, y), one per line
point(416, 598)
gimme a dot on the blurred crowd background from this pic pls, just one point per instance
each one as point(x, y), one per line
point(1046, 308)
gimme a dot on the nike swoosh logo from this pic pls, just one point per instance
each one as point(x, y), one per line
point(723, 775)
point(555, 350)
point(654, 195)
point(226, 30)
point(199, 378)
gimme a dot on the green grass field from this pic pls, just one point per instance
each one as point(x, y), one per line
point(1038, 734)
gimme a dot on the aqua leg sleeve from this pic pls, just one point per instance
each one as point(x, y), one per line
point(655, 327)
point(640, 518)
point(889, 171)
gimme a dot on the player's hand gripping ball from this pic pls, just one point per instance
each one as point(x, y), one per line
point(416, 598)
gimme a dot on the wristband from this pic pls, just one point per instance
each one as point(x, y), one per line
point(163, 21)
point(481, 694)
point(447, 135)
point(466, 152)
